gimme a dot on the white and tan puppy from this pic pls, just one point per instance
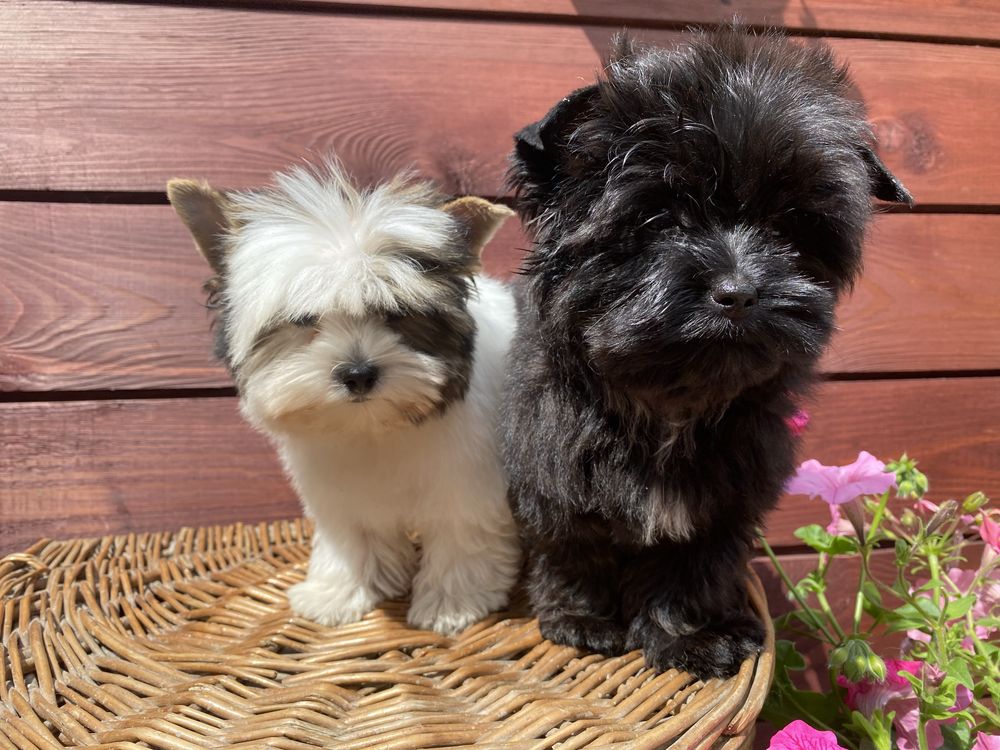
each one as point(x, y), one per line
point(367, 345)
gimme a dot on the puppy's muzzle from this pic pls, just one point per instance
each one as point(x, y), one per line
point(734, 297)
point(358, 378)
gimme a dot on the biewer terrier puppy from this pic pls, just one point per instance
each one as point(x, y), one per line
point(368, 347)
point(696, 214)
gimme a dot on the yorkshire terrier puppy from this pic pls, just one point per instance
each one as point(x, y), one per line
point(367, 346)
point(696, 215)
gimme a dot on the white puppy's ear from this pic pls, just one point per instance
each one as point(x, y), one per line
point(203, 209)
point(482, 218)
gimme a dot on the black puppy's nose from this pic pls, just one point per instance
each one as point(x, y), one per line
point(734, 297)
point(359, 379)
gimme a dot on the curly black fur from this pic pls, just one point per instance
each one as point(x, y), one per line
point(645, 432)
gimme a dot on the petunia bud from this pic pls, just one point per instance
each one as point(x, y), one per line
point(909, 481)
point(856, 660)
point(855, 515)
point(944, 514)
point(974, 502)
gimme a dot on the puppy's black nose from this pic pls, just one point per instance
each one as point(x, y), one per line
point(734, 297)
point(359, 379)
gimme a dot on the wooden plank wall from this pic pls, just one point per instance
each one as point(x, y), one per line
point(113, 416)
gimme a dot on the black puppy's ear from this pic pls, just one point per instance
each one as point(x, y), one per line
point(885, 185)
point(538, 144)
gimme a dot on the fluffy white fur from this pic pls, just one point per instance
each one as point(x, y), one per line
point(288, 387)
point(317, 244)
point(441, 478)
point(310, 269)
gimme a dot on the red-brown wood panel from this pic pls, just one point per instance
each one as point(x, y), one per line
point(233, 94)
point(968, 19)
point(105, 296)
point(98, 467)
point(104, 467)
point(950, 425)
point(101, 296)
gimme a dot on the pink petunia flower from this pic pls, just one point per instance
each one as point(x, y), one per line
point(800, 736)
point(986, 742)
point(798, 422)
point(895, 694)
point(990, 532)
point(838, 526)
point(867, 696)
point(841, 484)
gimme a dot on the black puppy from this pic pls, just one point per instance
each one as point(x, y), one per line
point(696, 215)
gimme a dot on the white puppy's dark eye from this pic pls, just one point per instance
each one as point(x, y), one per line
point(305, 321)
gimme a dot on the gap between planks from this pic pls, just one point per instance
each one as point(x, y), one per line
point(319, 7)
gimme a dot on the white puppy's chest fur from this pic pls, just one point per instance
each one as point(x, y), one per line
point(442, 478)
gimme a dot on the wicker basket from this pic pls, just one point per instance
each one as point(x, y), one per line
point(185, 641)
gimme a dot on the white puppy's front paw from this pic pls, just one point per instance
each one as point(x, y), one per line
point(330, 602)
point(451, 614)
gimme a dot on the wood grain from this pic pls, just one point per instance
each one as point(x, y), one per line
point(99, 467)
point(966, 19)
point(104, 467)
point(103, 297)
point(950, 425)
point(96, 297)
point(233, 94)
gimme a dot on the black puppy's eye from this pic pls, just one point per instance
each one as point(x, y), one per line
point(305, 321)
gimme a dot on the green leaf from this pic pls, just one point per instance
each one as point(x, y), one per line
point(823, 541)
point(938, 706)
point(957, 736)
point(843, 545)
point(922, 608)
point(871, 593)
point(902, 552)
point(898, 624)
point(815, 536)
point(959, 607)
point(959, 670)
point(788, 656)
point(913, 679)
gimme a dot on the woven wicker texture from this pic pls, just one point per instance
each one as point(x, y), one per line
point(184, 641)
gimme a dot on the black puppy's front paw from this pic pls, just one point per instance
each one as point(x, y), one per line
point(586, 633)
point(716, 650)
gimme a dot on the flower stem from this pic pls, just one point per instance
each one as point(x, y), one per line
point(828, 611)
point(993, 716)
point(878, 514)
point(817, 623)
point(867, 544)
point(860, 596)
